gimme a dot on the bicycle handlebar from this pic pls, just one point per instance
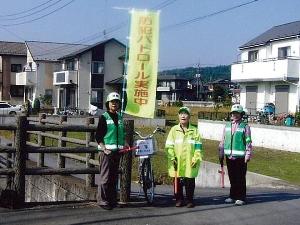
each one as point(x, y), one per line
point(157, 129)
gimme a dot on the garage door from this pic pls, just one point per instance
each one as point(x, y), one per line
point(281, 99)
point(251, 99)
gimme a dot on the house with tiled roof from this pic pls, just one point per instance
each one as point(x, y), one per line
point(269, 69)
point(72, 75)
point(12, 60)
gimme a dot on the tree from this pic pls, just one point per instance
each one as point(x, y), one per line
point(219, 93)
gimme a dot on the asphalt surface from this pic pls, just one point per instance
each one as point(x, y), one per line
point(264, 207)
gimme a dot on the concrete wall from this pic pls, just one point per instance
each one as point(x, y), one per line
point(273, 137)
point(57, 188)
point(209, 177)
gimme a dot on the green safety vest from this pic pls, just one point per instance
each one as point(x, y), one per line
point(114, 138)
point(235, 144)
point(186, 148)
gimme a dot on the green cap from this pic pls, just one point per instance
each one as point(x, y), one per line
point(237, 108)
point(185, 110)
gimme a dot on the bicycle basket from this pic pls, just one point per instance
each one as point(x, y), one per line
point(145, 147)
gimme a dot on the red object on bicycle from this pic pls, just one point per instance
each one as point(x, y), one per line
point(175, 178)
point(222, 175)
point(124, 150)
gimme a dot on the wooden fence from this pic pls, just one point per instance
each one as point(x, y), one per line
point(16, 154)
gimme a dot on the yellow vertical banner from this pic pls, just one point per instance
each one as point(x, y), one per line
point(142, 63)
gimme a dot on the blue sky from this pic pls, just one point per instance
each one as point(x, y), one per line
point(209, 41)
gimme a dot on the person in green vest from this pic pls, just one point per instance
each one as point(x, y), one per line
point(110, 136)
point(236, 146)
point(184, 151)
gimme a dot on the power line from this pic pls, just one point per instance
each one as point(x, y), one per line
point(164, 4)
point(28, 10)
point(14, 34)
point(206, 16)
point(35, 12)
point(107, 31)
point(38, 18)
point(121, 25)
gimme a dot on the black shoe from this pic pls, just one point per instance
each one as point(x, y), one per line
point(106, 207)
point(190, 205)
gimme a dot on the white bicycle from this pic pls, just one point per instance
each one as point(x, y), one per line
point(146, 146)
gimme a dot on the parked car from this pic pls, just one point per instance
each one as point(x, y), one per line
point(8, 109)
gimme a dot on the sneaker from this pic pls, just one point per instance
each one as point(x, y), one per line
point(240, 202)
point(229, 200)
point(190, 205)
point(179, 204)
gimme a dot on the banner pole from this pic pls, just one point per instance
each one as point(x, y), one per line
point(124, 86)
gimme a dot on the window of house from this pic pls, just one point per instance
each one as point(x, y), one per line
point(253, 56)
point(16, 68)
point(97, 98)
point(17, 90)
point(70, 65)
point(284, 52)
point(98, 67)
point(97, 81)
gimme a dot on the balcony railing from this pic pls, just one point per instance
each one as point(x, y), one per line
point(268, 69)
point(163, 88)
point(27, 78)
point(65, 77)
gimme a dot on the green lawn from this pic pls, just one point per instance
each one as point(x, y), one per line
point(280, 164)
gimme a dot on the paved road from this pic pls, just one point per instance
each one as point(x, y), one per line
point(265, 207)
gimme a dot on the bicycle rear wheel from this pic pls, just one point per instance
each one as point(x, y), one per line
point(148, 180)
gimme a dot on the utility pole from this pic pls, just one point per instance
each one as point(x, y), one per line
point(198, 75)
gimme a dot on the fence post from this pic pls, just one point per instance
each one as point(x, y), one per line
point(20, 159)
point(126, 164)
point(90, 178)
point(8, 166)
point(41, 142)
point(61, 160)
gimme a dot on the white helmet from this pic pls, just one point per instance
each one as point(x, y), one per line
point(113, 96)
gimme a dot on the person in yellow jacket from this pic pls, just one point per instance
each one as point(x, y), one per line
point(184, 150)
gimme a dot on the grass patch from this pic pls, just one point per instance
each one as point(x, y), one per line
point(280, 164)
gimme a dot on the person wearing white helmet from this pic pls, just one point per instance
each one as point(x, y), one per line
point(110, 136)
point(236, 146)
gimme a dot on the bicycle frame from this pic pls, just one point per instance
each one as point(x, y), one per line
point(146, 177)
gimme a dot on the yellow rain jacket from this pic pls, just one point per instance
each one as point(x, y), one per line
point(187, 148)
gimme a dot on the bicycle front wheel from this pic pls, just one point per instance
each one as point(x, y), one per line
point(148, 180)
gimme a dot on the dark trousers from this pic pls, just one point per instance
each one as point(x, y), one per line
point(237, 170)
point(108, 178)
point(189, 184)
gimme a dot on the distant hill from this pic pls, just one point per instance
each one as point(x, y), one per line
point(207, 73)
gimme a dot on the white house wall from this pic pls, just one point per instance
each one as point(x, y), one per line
point(294, 44)
point(271, 50)
point(266, 94)
point(84, 81)
point(113, 66)
point(16, 60)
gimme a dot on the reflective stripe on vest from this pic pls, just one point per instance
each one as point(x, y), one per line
point(235, 144)
point(114, 138)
